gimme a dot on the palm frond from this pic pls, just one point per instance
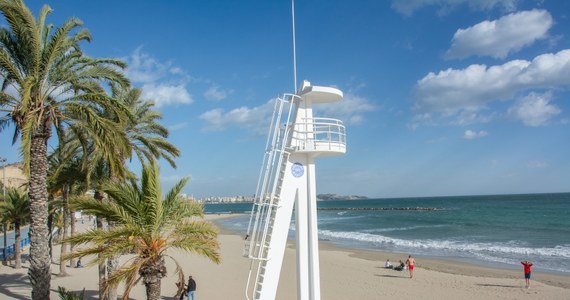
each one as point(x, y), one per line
point(179, 275)
point(130, 282)
point(127, 273)
point(199, 245)
point(69, 295)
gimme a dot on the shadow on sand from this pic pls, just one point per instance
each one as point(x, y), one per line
point(88, 294)
point(498, 285)
point(390, 276)
point(11, 281)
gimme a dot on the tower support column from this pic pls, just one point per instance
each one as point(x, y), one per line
point(313, 233)
point(306, 230)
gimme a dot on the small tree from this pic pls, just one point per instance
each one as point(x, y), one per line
point(146, 224)
point(16, 209)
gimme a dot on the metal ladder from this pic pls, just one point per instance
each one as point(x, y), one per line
point(266, 203)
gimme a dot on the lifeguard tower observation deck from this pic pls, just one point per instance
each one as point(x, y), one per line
point(287, 180)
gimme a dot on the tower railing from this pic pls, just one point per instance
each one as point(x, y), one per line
point(319, 134)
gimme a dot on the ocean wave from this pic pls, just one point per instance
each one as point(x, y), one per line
point(403, 228)
point(338, 218)
point(504, 260)
point(446, 245)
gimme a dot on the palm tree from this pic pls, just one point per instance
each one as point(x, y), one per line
point(94, 167)
point(147, 139)
point(67, 178)
point(16, 209)
point(149, 225)
point(47, 82)
point(58, 223)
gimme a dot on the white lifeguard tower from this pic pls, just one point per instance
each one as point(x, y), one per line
point(287, 180)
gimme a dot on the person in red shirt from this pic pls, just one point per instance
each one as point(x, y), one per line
point(527, 264)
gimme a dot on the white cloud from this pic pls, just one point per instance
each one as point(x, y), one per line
point(500, 37)
point(161, 82)
point(471, 116)
point(408, 7)
point(215, 93)
point(256, 118)
point(350, 109)
point(143, 68)
point(453, 91)
point(534, 109)
point(537, 164)
point(177, 126)
point(164, 94)
point(470, 134)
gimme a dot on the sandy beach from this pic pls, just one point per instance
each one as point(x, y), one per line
point(345, 274)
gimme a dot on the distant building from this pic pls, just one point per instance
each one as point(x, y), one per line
point(226, 199)
point(12, 175)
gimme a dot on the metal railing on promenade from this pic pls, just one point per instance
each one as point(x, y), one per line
point(11, 249)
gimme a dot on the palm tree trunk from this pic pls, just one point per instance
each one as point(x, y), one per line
point(50, 234)
point(17, 240)
point(152, 288)
point(102, 266)
point(72, 248)
point(39, 272)
point(112, 264)
point(65, 198)
point(152, 274)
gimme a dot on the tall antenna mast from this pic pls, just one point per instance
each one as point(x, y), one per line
point(294, 52)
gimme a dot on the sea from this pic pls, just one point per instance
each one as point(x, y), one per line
point(495, 230)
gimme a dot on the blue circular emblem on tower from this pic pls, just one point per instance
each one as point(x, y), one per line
point(297, 170)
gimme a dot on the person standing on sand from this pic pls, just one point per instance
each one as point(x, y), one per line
point(411, 262)
point(191, 288)
point(527, 264)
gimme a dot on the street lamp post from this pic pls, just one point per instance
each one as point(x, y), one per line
point(4, 229)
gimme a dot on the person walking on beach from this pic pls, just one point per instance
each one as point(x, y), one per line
point(191, 288)
point(527, 265)
point(411, 262)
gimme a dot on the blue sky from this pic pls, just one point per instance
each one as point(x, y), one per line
point(442, 97)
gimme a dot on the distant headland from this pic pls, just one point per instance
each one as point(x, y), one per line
point(340, 197)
